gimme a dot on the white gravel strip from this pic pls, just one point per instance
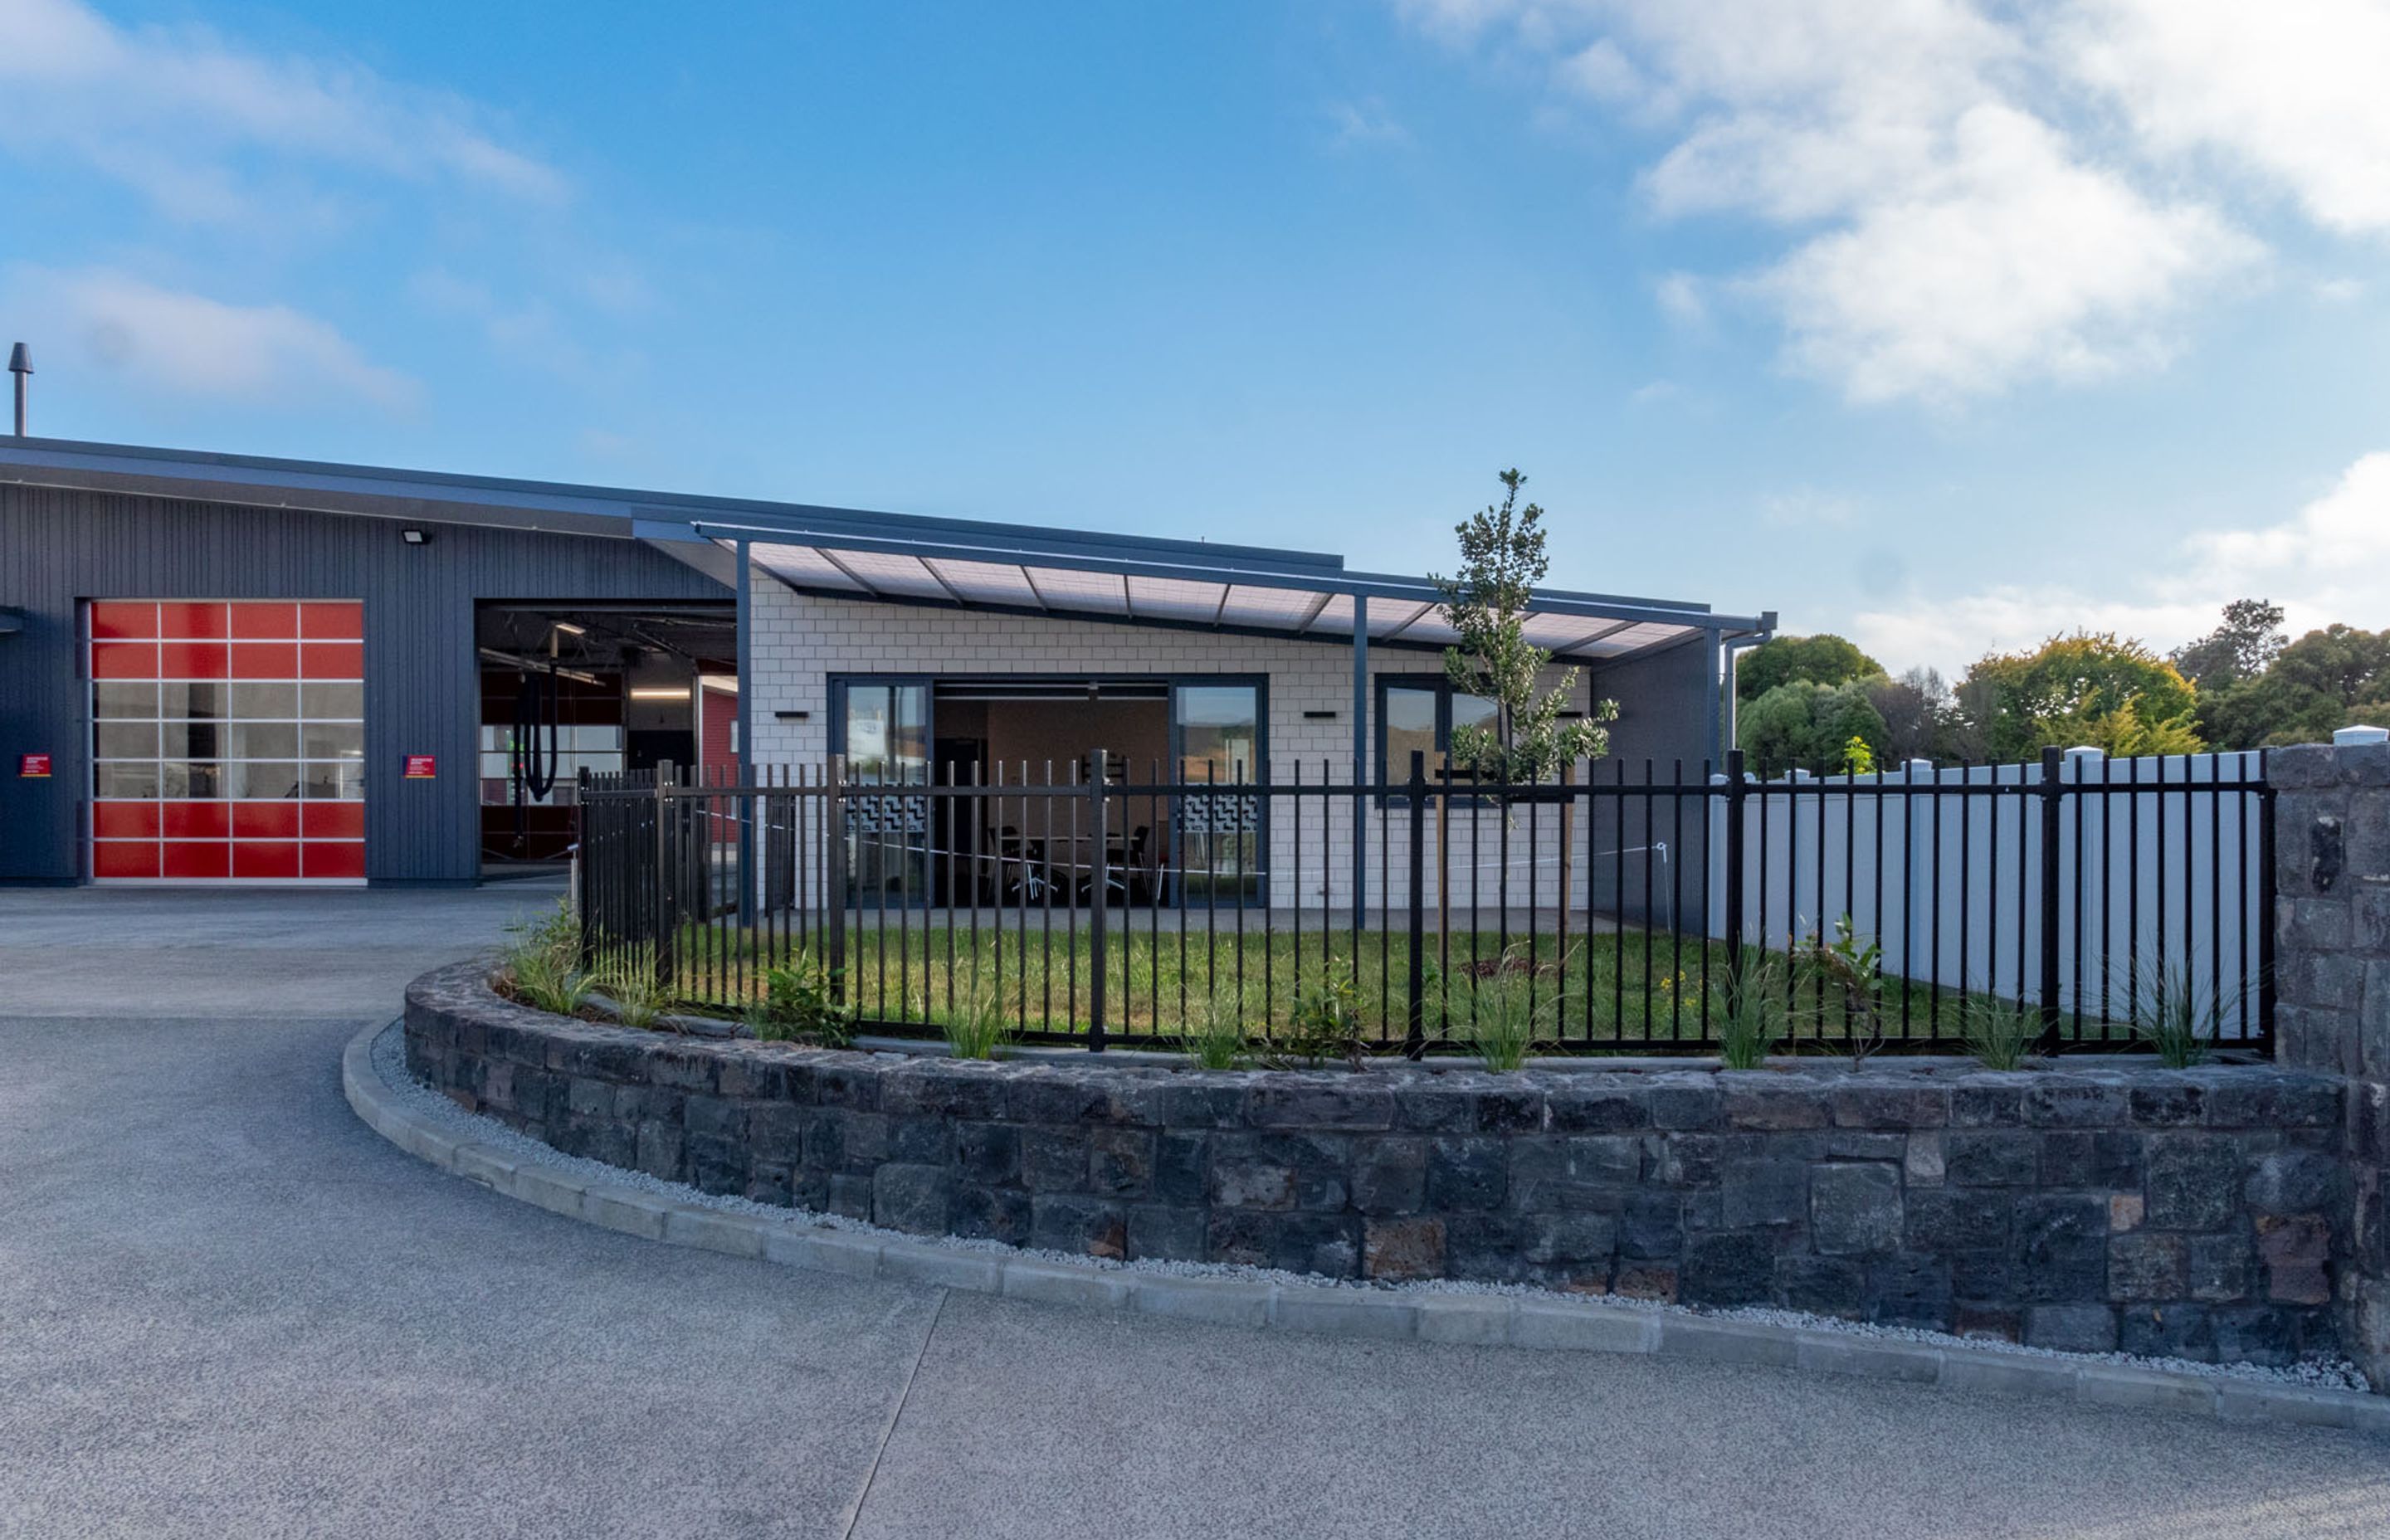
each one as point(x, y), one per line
point(389, 1058)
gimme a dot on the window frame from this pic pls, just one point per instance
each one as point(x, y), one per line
point(1440, 686)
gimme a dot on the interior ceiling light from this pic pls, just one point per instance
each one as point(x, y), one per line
point(659, 692)
point(569, 629)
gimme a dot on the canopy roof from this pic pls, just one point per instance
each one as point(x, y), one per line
point(856, 554)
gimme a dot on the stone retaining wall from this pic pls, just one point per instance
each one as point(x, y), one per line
point(2201, 1214)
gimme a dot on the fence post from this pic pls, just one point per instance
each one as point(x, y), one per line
point(578, 883)
point(667, 889)
point(833, 933)
point(2053, 786)
point(1415, 983)
point(1734, 870)
point(1099, 910)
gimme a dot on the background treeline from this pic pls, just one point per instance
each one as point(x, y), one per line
point(1818, 703)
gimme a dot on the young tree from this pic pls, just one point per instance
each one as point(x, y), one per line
point(1501, 561)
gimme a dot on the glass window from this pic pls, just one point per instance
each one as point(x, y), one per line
point(125, 778)
point(194, 699)
point(262, 780)
point(263, 740)
point(333, 740)
point(136, 699)
point(124, 740)
point(194, 739)
point(267, 702)
point(191, 780)
point(1408, 713)
point(1219, 733)
point(1420, 713)
point(332, 702)
point(887, 742)
point(342, 781)
point(1218, 839)
point(887, 732)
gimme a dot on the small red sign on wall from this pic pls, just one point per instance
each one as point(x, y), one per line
point(34, 766)
point(421, 767)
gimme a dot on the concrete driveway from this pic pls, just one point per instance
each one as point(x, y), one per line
point(226, 1308)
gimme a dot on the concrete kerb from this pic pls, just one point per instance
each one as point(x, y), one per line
point(1477, 1319)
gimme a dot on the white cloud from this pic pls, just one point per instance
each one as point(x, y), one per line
point(2007, 262)
point(2329, 562)
point(1977, 194)
point(178, 114)
point(2295, 92)
point(168, 342)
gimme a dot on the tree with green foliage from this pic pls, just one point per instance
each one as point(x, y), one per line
point(1804, 725)
point(1502, 559)
point(2327, 679)
point(1824, 659)
point(2243, 648)
point(2091, 687)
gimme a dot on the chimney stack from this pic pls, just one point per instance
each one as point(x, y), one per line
point(20, 364)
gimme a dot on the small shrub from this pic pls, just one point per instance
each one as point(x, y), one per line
point(1853, 967)
point(628, 976)
point(1753, 1013)
point(1506, 1018)
point(2180, 1021)
point(978, 1025)
point(801, 1004)
point(2000, 1033)
point(1218, 1040)
point(1325, 1021)
point(542, 965)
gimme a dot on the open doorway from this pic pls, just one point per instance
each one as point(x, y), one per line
point(1001, 849)
point(603, 687)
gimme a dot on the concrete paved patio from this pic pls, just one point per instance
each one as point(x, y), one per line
point(226, 1307)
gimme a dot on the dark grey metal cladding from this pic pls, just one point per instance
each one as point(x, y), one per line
point(421, 679)
point(1661, 728)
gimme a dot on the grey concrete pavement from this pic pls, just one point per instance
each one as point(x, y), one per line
point(228, 1308)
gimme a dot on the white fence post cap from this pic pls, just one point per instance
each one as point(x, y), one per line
point(2349, 738)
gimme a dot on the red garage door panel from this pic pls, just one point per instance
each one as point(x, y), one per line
point(209, 762)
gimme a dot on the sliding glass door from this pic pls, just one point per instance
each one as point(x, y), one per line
point(1216, 729)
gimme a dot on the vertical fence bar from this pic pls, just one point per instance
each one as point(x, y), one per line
point(834, 887)
point(1415, 968)
point(2052, 765)
point(2264, 904)
point(1099, 813)
point(1734, 895)
point(667, 882)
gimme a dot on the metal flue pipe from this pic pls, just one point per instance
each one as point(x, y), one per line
point(20, 364)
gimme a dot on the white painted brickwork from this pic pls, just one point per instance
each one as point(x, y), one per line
point(800, 641)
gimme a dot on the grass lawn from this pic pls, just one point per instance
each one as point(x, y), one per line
point(1624, 989)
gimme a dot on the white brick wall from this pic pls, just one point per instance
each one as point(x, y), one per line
point(798, 642)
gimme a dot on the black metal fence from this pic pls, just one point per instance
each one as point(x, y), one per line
point(1616, 911)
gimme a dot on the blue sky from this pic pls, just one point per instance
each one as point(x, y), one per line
point(1943, 325)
